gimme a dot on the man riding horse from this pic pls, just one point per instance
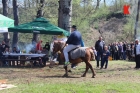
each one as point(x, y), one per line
point(73, 42)
point(71, 52)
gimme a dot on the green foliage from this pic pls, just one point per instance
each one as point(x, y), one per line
point(84, 15)
point(102, 12)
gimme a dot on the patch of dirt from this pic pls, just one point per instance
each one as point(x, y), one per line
point(115, 72)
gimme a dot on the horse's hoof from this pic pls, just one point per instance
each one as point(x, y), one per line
point(69, 71)
point(83, 76)
point(93, 76)
point(65, 75)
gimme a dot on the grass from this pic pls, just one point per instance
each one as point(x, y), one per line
point(120, 77)
point(81, 87)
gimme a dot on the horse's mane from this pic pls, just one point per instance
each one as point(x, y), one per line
point(60, 43)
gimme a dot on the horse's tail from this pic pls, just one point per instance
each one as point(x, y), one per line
point(92, 54)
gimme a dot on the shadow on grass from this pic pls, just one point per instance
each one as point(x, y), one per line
point(57, 76)
point(98, 70)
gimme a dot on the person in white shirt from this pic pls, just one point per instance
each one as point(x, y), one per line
point(137, 53)
point(62, 38)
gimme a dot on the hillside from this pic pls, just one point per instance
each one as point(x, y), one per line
point(111, 29)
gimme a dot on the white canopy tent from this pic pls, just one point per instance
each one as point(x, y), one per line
point(5, 23)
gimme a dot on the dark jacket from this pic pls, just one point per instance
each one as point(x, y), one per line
point(135, 49)
point(47, 46)
point(3, 47)
point(107, 54)
point(15, 51)
point(75, 38)
point(120, 48)
point(113, 48)
point(124, 47)
point(99, 47)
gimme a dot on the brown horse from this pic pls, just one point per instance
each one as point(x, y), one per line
point(58, 46)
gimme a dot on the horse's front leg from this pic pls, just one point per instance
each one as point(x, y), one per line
point(66, 71)
point(90, 66)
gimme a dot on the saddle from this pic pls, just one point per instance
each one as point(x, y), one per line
point(77, 52)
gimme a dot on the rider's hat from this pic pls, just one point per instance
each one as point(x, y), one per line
point(74, 26)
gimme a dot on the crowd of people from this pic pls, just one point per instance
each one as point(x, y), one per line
point(116, 51)
point(122, 50)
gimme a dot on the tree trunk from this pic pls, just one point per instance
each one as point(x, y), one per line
point(15, 12)
point(64, 17)
point(116, 5)
point(65, 13)
point(104, 3)
point(98, 3)
point(39, 14)
point(137, 19)
point(5, 13)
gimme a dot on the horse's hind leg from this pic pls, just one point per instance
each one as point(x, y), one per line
point(90, 66)
point(87, 67)
point(66, 71)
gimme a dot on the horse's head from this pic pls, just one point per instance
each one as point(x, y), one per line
point(58, 46)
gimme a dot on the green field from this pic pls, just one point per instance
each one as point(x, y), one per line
point(120, 77)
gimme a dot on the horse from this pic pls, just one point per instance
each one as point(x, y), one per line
point(89, 55)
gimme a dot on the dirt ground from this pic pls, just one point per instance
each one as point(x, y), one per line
point(117, 71)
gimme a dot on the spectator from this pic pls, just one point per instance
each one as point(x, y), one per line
point(119, 50)
point(113, 50)
point(15, 50)
point(124, 51)
point(116, 51)
point(106, 54)
point(121, 53)
point(137, 53)
point(132, 53)
point(4, 46)
point(47, 46)
point(39, 46)
point(99, 46)
point(46, 57)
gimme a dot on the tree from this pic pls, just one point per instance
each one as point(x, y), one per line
point(137, 19)
point(98, 3)
point(64, 14)
point(5, 13)
point(15, 13)
point(104, 3)
point(39, 14)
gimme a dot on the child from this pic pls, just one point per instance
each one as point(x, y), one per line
point(106, 54)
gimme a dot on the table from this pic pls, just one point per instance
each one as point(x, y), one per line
point(21, 55)
point(24, 54)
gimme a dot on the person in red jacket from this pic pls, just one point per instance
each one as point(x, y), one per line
point(39, 46)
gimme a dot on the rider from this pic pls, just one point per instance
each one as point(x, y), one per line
point(73, 42)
